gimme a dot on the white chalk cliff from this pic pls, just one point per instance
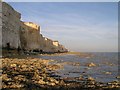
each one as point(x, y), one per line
point(25, 35)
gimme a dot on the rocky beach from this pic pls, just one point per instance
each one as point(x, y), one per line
point(32, 61)
point(41, 74)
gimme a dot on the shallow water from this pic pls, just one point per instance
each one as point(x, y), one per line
point(106, 69)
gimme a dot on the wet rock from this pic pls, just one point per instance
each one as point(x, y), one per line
point(32, 71)
point(20, 78)
point(61, 82)
point(52, 84)
point(71, 63)
point(54, 67)
point(91, 78)
point(41, 82)
point(15, 86)
point(81, 77)
point(113, 85)
point(118, 77)
point(5, 77)
point(24, 66)
point(51, 79)
point(91, 65)
point(108, 73)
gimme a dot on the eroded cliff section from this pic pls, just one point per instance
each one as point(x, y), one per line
point(24, 35)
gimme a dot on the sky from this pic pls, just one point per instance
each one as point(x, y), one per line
point(79, 26)
point(61, 0)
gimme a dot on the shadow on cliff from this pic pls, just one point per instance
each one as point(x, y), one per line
point(21, 54)
point(13, 53)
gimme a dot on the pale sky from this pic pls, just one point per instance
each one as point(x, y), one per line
point(61, 0)
point(80, 26)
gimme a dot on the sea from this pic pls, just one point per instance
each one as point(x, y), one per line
point(105, 68)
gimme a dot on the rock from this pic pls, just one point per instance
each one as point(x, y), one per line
point(20, 78)
point(62, 82)
point(41, 82)
point(91, 65)
point(52, 80)
point(52, 84)
point(87, 57)
point(91, 78)
point(23, 66)
point(108, 73)
point(33, 72)
point(54, 67)
point(15, 86)
point(13, 65)
point(5, 77)
point(81, 77)
point(118, 77)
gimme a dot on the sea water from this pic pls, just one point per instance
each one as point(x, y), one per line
point(106, 69)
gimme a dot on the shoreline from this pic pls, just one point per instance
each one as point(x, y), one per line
point(37, 73)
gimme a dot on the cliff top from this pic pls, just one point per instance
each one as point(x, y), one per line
point(32, 25)
point(10, 8)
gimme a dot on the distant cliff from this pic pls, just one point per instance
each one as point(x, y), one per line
point(25, 35)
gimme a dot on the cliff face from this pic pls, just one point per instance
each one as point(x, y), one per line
point(48, 45)
point(53, 46)
point(30, 37)
point(0, 25)
point(10, 26)
point(26, 35)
